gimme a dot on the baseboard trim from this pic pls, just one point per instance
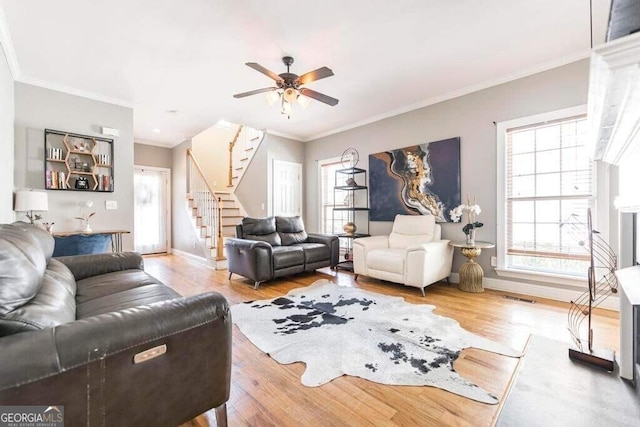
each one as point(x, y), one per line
point(192, 257)
point(540, 291)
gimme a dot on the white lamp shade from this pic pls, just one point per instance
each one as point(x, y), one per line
point(28, 200)
point(272, 97)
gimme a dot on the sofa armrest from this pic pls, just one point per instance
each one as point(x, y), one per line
point(252, 259)
point(331, 241)
point(429, 262)
point(83, 364)
point(83, 266)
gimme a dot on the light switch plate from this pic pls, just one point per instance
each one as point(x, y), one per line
point(111, 204)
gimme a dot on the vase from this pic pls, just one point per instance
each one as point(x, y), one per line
point(87, 227)
point(471, 237)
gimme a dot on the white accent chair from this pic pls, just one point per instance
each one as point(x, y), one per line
point(413, 254)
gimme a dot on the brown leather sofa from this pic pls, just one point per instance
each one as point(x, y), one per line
point(110, 343)
point(267, 248)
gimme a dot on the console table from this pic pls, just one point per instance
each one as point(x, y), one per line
point(116, 236)
point(471, 273)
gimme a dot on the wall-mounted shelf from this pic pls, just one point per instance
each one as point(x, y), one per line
point(77, 162)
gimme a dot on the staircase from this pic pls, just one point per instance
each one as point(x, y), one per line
point(216, 213)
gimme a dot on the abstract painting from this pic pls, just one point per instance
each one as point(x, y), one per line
point(417, 180)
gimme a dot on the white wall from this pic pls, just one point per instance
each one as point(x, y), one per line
point(255, 189)
point(211, 149)
point(37, 109)
point(151, 155)
point(7, 110)
point(471, 117)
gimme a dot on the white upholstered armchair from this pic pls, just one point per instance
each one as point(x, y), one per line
point(413, 254)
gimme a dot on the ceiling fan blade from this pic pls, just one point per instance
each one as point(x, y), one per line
point(254, 92)
point(314, 75)
point(319, 96)
point(265, 71)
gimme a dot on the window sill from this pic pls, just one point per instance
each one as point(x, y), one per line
point(535, 276)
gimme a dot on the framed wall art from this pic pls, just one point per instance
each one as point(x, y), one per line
point(417, 180)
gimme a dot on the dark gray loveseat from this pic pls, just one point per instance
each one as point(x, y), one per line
point(267, 248)
point(105, 340)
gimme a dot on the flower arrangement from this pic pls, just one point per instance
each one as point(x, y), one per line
point(85, 221)
point(471, 211)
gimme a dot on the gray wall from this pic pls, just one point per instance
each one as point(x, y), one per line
point(37, 108)
point(151, 155)
point(254, 190)
point(7, 108)
point(470, 117)
point(183, 233)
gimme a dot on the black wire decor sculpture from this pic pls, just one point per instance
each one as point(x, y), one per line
point(602, 282)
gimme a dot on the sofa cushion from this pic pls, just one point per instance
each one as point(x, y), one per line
point(390, 260)
point(287, 256)
point(314, 252)
point(263, 229)
point(129, 298)
point(117, 281)
point(54, 303)
point(24, 252)
point(291, 229)
point(412, 230)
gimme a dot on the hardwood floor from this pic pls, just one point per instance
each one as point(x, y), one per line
point(265, 393)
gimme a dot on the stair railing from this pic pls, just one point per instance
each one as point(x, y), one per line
point(208, 206)
point(232, 144)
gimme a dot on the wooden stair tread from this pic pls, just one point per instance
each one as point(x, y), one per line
point(248, 149)
point(244, 159)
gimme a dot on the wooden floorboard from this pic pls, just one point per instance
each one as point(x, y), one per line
point(265, 393)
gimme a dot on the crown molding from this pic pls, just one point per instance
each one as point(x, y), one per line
point(7, 46)
point(74, 91)
point(285, 135)
point(545, 66)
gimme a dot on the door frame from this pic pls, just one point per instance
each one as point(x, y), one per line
point(167, 198)
point(273, 182)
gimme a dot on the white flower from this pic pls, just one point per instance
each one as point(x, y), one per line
point(475, 209)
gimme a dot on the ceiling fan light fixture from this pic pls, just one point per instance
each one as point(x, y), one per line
point(290, 94)
point(272, 97)
point(304, 101)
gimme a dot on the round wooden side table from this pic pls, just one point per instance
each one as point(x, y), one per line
point(471, 273)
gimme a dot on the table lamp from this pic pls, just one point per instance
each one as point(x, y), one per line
point(30, 201)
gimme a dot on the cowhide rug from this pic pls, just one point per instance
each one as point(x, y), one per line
point(343, 330)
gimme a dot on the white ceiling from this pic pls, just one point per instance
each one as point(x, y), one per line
point(387, 56)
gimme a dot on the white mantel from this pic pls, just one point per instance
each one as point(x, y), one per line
point(614, 98)
point(614, 113)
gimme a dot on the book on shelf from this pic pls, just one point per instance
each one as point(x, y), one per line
point(54, 180)
point(47, 179)
point(62, 181)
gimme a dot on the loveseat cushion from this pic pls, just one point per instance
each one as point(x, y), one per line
point(291, 229)
point(314, 252)
point(287, 256)
point(263, 229)
point(125, 299)
point(24, 252)
point(53, 305)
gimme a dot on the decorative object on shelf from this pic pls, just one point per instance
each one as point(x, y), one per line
point(349, 200)
point(82, 183)
point(602, 282)
point(350, 158)
point(86, 227)
point(30, 201)
point(423, 179)
point(471, 211)
point(289, 88)
point(352, 182)
point(350, 228)
point(48, 226)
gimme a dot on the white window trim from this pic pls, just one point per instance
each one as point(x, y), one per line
point(321, 163)
point(601, 185)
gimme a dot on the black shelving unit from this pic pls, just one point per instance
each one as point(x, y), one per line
point(356, 208)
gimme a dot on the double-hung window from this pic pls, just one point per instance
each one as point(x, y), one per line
point(547, 185)
point(330, 222)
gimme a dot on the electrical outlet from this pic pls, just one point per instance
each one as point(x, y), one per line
point(263, 206)
point(111, 204)
point(494, 261)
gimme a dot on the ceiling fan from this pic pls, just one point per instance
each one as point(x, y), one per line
point(289, 86)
